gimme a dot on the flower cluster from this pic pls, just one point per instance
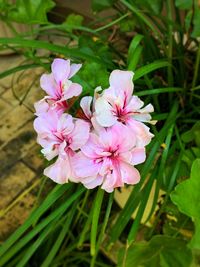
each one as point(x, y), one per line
point(101, 147)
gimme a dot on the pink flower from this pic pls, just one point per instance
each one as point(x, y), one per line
point(57, 84)
point(107, 159)
point(117, 104)
point(60, 136)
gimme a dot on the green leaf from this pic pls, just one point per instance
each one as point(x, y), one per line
point(73, 20)
point(149, 68)
point(192, 135)
point(89, 73)
point(160, 251)
point(183, 4)
point(31, 11)
point(196, 22)
point(155, 5)
point(98, 5)
point(186, 196)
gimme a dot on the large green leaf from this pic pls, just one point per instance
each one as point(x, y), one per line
point(186, 196)
point(31, 11)
point(160, 251)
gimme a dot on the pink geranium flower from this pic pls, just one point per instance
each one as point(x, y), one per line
point(57, 84)
point(107, 159)
point(60, 136)
point(117, 104)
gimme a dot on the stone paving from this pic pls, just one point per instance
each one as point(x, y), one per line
point(20, 161)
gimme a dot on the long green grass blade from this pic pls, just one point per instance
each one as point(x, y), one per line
point(18, 68)
point(95, 220)
point(149, 68)
point(60, 238)
point(69, 52)
point(54, 215)
point(56, 193)
point(159, 91)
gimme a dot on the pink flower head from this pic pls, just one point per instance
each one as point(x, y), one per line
point(117, 104)
point(60, 136)
point(107, 159)
point(57, 84)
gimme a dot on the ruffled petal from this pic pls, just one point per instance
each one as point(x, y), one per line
point(130, 175)
point(60, 171)
point(80, 134)
point(142, 132)
point(84, 167)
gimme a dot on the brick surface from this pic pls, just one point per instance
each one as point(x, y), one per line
point(13, 121)
point(13, 182)
point(20, 161)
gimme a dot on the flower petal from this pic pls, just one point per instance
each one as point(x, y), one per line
point(138, 155)
point(80, 134)
point(85, 104)
point(130, 175)
point(74, 89)
point(41, 107)
point(48, 84)
point(122, 81)
point(65, 124)
point(83, 166)
point(94, 182)
point(143, 136)
point(74, 68)
point(60, 171)
point(60, 69)
point(103, 113)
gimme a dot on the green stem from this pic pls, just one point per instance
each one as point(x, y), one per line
point(112, 22)
point(170, 46)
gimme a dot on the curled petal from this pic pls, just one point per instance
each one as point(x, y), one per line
point(130, 175)
point(86, 106)
point(74, 89)
point(92, 182)
point(74, 68)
